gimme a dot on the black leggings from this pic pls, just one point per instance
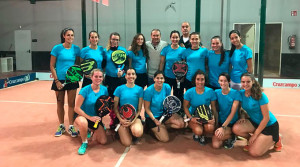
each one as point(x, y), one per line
point(178, 92)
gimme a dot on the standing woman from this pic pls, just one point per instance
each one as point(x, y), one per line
point(85, 108)
point(169, 55)
point(262, 123)
point(138, 58)
point(129, 93)
point(195, 58)
point(228, 101)
point(113, 77)
point(63, 56)
point(154, 96)
point(218, 62)
point(240, 59)
point(194, 97)
point(93, 51)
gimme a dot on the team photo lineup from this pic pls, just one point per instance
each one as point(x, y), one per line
point(154, 86)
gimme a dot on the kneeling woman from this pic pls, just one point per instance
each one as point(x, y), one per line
point(153, 103)
point(129, 93)
point(84, 107)
point(194, 97)
point(228, 101)
point(262, 129)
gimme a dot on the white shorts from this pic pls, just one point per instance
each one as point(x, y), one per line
point(236, 86)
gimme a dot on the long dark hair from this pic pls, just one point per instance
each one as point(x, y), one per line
point(256, 90)
point(134, 46)
point(233, 47)
point(63, 32)
point(222, 49)
point(199, 72)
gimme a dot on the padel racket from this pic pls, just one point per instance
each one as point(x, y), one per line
point(204, 113)
point(119, 58)
point(74, 74)
point(103, 106)
point(171, 105)
point(179, 69)
point(128, 112)
point(87, 65)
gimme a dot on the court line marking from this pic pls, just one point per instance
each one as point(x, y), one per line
point(123, 156)
point(293, 116)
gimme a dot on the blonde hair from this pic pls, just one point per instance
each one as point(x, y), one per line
point(96, 70)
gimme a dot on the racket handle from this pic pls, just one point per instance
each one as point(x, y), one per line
point(63, 85)
point(187, 119)
point(117, 128)
point(162, 118)
point(96, 124)
point(178, 84)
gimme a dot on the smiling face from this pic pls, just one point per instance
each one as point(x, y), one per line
point(130, 76)
point(174, 38)
point(246, 83)
point(155, 36)
point(69, 36)
point(97, 77)
point(159, 79)
point(114, 41)
point(235, 39)
point(224, 84)
point(94, 38)
point(195, 40)
point(140, 40)
point(200, 81)
point(216, 44)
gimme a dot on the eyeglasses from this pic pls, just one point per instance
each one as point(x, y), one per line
point(115, 39)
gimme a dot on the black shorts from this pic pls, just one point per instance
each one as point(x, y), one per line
point(272, 130)
point(85, 82)
point(150, 123)
point(112, 83)
point(229, 125)
point(69, 86)
point(141, 80)
point(91, 124)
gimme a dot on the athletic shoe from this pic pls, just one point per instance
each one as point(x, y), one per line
point(278, 146)
point(82, 148)
point(228, 144)
point(195, 138)
point(202, 140)
point(72, 131)
point(61, 129)
point(246, 148)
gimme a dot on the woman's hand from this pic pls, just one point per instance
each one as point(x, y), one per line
point(220, 132)
point(157, 123)
point(58, 85)
point(120, 73)
point(212, 121)
point(195, 120)
point(125, 123)
point(252, 138)
point(95, 119)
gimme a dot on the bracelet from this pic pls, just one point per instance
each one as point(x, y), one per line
point(153, 119)
point(56, 80)
point(224, 127)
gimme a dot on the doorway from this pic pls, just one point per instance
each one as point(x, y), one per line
point(23, 49)
point(272, 55)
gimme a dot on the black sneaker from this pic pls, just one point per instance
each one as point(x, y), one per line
point(228, 144)
point(195, 138)
point(202, 140)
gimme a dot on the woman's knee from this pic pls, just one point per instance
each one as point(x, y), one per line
point(255, 152)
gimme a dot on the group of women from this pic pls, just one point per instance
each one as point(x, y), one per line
point(126, 86)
